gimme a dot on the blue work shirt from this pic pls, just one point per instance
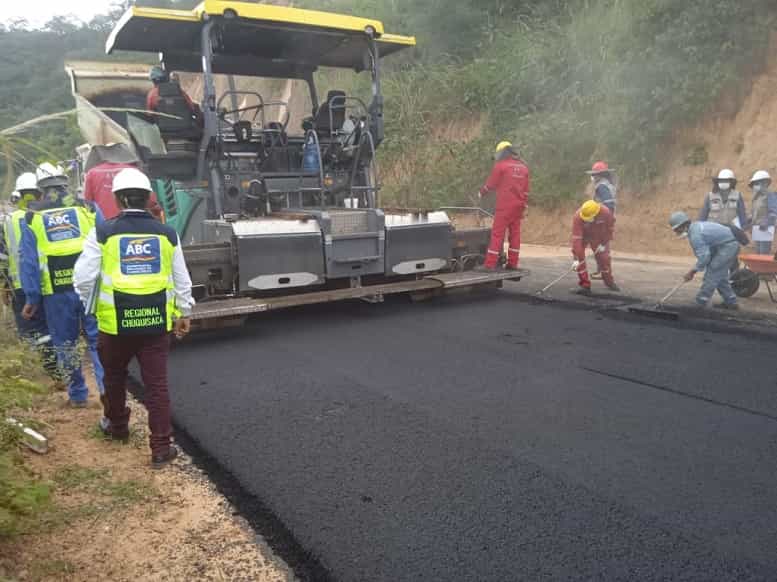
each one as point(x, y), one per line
point(705, 237)
point(29, 263)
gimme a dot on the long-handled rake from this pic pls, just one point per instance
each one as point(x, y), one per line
point(658, 309)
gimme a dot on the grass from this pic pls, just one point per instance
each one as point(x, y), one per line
point(137, 438)
point(48, 569)
point(100, 485)
point(569, 82)
point(22, 495)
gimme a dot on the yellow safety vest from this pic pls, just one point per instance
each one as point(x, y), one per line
point(13, 241)
point(137, 290)
point(60, 234)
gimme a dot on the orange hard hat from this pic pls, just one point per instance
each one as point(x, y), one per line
point(599, 168)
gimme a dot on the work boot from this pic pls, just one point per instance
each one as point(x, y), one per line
point(161, 460)
point(511, 268)
point(614, 288)
point(584, 291)
point(728, 306)
point(108, 433)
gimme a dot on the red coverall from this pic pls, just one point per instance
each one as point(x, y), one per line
point(594, 234)
point(510, 180)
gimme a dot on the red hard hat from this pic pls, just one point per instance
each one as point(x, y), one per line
point(600, 168)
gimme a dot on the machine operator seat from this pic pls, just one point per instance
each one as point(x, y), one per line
point(331, 114)
point(186, 123)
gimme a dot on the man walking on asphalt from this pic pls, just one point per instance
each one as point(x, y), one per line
point(133, 270)
point(593, 226)
point(715, 247)
point(511, 182)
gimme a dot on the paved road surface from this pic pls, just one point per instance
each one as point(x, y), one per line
point(490, 439)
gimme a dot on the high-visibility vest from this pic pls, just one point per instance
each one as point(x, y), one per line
point(60, 234)
point(724, 212)
point(137, 291)
point(13, 240)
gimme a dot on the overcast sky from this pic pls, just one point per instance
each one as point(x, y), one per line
point(38, 12)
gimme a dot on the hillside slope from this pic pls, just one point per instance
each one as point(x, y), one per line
point(744, 141)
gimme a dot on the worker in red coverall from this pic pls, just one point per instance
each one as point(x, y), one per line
point(98, 189)
point(510, 180)
point(594, 227)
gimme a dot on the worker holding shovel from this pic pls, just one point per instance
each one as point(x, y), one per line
point(715, 247)
point(593, 226)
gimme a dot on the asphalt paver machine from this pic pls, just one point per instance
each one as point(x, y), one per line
point(273, 211)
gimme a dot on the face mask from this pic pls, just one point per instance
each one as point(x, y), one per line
point(724, 186)
point(683, 235)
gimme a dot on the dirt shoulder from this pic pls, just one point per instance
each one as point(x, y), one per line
point(113, 518)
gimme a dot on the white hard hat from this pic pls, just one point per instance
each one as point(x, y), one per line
point(759, 176)
point(50, 175)
point(726, 175)
point(26, 181)
point(131, 179)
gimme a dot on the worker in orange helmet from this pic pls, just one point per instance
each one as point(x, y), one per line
point(511, 182)
point(593, 226)
point(603, 179)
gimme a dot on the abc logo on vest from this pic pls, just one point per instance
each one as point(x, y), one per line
point(140, 256)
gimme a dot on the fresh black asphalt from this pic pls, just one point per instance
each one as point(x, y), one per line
point(490, 439)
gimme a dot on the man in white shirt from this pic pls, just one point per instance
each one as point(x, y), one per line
point(133, 275)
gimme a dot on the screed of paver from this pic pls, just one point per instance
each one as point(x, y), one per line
point(464, 439)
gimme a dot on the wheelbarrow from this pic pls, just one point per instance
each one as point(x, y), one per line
point(758, 268)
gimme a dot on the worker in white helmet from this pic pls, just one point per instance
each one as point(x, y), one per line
point(764, 212)
point(724, 204)
point(34, 330)
point(52, 237)
point(133, 271)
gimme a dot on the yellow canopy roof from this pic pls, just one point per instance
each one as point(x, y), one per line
point(254, 37)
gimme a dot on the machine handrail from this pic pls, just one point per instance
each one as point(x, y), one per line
point(468, 209)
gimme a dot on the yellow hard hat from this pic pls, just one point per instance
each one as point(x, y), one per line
point(503, 145)
point(590, 210)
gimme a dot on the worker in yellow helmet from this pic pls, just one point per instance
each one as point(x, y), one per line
point(593, 226)
point(511, 182)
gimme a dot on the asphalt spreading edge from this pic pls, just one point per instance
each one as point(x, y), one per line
point(264, 523)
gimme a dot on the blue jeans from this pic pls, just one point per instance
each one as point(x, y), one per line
point(716, 277)
point(66, 319)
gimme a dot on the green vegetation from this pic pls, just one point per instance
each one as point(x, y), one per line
point(568, 81)
point(21, 493)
